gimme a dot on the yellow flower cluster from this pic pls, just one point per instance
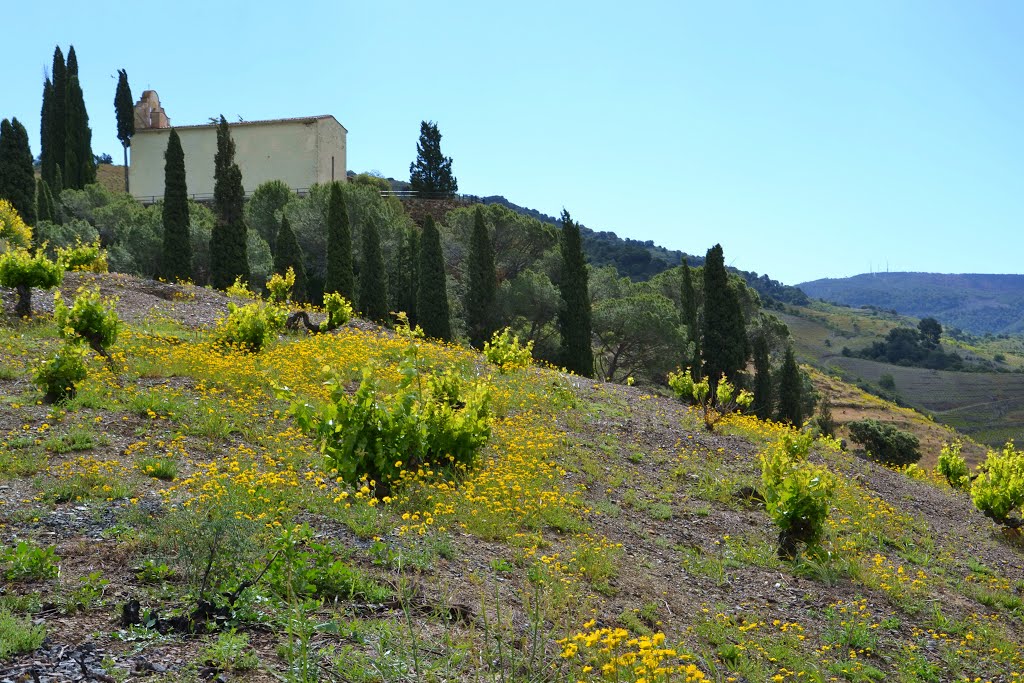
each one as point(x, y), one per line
point(611, 654)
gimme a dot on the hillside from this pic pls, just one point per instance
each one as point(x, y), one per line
point(973, 302)
point(986, 405)
point(602, 535)
point(635, 259)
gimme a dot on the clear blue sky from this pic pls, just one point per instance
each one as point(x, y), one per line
point(810, 139)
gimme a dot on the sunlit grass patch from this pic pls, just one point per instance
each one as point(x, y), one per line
point(87, 478)
point(77, 438)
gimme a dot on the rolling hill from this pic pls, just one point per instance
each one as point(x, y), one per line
point(174, 520)
point(987, 406)
point(976, 303)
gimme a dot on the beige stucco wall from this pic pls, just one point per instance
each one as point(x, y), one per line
point(298, 152)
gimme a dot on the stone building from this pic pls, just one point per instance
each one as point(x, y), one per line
point(298, 151)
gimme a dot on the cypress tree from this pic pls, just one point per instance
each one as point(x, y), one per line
point(58, 187)
point(574, 317)
point(289, 255)
point(373, 291)
point(228, 255)
point(790, 409)
point(17, 176)
point(176, 260)
point(724, 342)
point(482, 289)
point(47, 164)
point(762, 379)
point(406, 275)
point(688, 302)
point(74, 142)
point(432, 291)
point(340, 277)
point(58, 118)
point(124, 108)
point(44, 202)
point(79, 166)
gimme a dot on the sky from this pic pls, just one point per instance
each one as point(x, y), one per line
point(809, 139)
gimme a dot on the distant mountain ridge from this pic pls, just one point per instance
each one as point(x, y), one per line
point(974, 302)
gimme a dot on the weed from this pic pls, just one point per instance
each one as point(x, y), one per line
point(26, 562)
point(76, 439)
point(230, 652)
point(18, 635)
point(159, 467)
point(88, 594)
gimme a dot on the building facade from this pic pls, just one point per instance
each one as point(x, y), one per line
point(300, 151)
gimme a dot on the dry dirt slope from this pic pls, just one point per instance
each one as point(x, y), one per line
point(919, 587)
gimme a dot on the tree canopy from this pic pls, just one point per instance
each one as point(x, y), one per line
point(431, 173)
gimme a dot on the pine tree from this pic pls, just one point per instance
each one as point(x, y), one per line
point(340, 276)
point(228, 256)
point(762, 406)
point(17, 176)
point(482, 287)
point(574, 317)
point(57, 125)
point(431, 173)
point(124, 108)
point(79, 167)
point(176, 259)
point(289, 255)
point(724, 342)
point(373, 291)
point(432, 309)
point(790, 409)
point(44, 202)
point(688, 302)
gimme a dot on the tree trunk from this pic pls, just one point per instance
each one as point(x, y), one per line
point(125, 168)
point(23, 309)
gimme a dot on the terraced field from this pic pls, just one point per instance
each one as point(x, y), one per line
point(988, 406)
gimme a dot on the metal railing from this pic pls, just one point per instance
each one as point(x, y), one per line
point(207, 197)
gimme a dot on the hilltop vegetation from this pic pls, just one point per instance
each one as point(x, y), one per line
point(599, 526)
point(975, 303)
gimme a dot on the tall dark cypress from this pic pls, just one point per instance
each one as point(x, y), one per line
point(44, 202)
point(482, 285)
point(228, 251)
point(688, 302)
point(790, 404)
point(176, 259)
point(79, 167)
point(762, 406)
point(340, 275)
point(406, 275)
point(432, 308)
point(17, 176)
point(47, 163)
point(58, 118)
point(724, 343)
point(373, 289)
point(58, 187)
point(574, 317)
point(124, 109)
point(289, 255)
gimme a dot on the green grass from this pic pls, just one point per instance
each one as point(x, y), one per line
point(77, 438)
point(18, 635)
